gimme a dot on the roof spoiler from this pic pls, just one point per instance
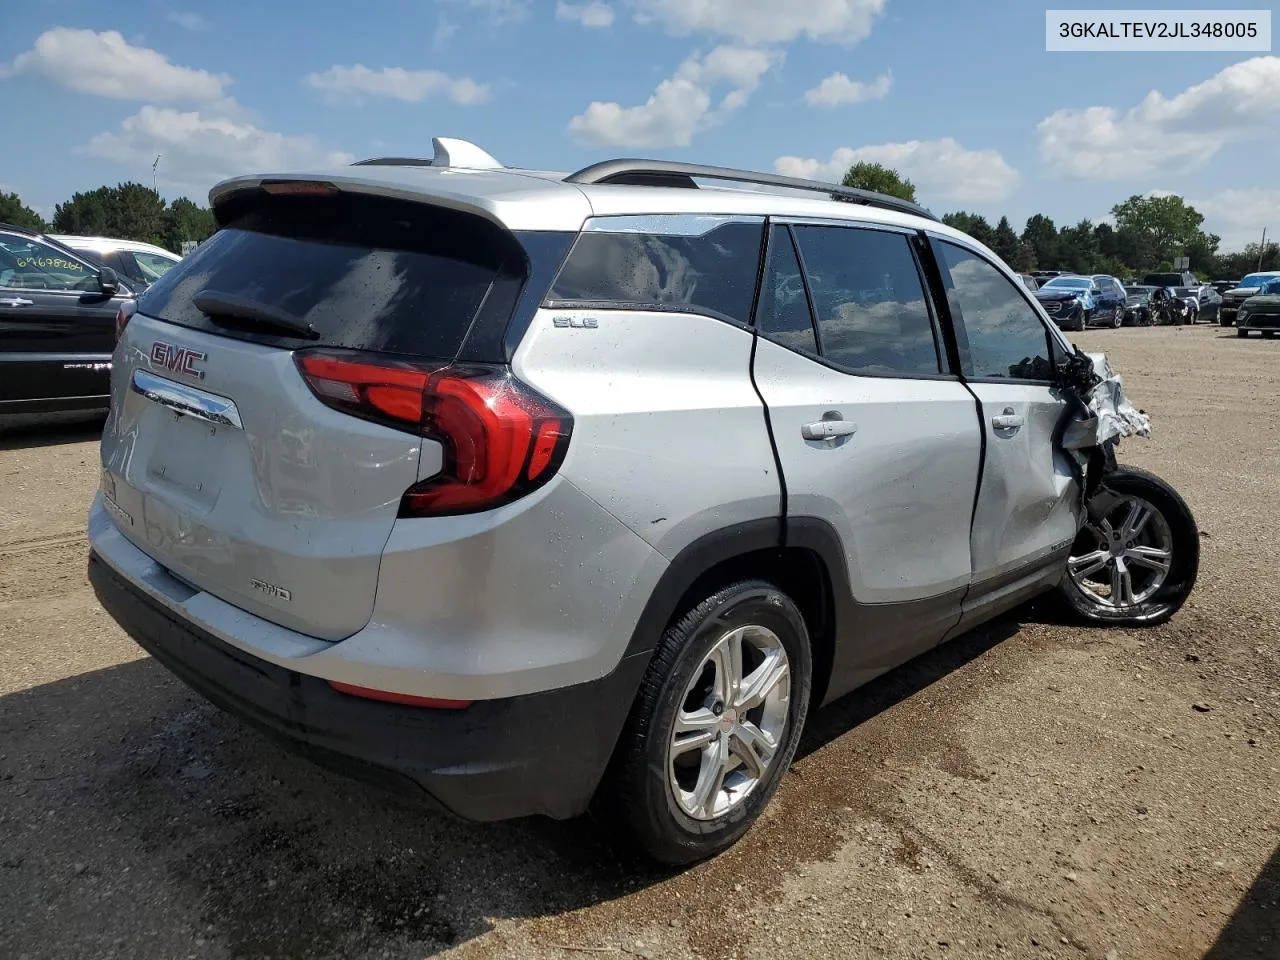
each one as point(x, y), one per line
point(449, 152)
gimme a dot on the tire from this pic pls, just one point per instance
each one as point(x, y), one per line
point(1167, 533)
point(1223, 321)
point(650, 787)
point(1241, 333)
point(1268, 334)
point(1117, 318)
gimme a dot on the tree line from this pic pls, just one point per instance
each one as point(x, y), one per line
point(127, 211)
point(1148, 234)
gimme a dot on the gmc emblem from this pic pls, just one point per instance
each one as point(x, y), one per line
point(166, 356)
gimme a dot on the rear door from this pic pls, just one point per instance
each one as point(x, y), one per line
point(56, 327)
point(219, 460)
point(873, 438)
point(1026, 515)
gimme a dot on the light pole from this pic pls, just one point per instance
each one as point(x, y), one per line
point(153, 172)
point(1262, 248)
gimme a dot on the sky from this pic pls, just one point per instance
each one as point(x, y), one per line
point(958, 95)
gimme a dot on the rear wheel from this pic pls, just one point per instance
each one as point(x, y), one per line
point(1241, 332)
point(1137, 557)
point(1268, 334)
point(715, 724)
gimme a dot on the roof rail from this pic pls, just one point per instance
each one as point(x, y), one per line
point(393, 162)
point(673, 173)
point(17, 229)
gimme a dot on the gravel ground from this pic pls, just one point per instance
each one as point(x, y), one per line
point(1033, 789)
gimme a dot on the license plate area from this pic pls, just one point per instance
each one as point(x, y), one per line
point(189, 457)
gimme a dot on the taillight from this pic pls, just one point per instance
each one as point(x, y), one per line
point(501, 439)
point(127, 310)
point(386, 696)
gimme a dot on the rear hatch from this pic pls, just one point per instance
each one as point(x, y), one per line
point(223, 463)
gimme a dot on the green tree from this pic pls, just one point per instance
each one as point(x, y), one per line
point(1078, 248)
point(128, 211)
point(1233, 266)
point(185, 220)
point(975, 225)
point(1161, 227)
point(14, 211)
point(1005, 242)
point(879, 179)
point(1040, 236)
point(1203, 251)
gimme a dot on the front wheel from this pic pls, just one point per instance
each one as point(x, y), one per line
point(1117, 318)
point(715, 724)
point(1137, 557)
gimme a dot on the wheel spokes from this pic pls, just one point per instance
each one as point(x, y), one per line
point(1121, 584)
point(694, 729)
point(1153, 558)
point(1089, 563)
point(753, 747)
point(762, 681)
point(715, 762)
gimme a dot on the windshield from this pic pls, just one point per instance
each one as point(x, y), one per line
point(1257, 279)
point(1271, 287)
point(1071, 283)
point(152, 265)
point(1137, 291)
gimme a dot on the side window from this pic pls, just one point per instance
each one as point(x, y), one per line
point(688, 263)
point(1005, 336)
point(783, 311)
point(868, 301)
point(150, 266)
point(28, 264)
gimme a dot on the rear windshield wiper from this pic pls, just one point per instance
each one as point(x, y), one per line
point(227, 306)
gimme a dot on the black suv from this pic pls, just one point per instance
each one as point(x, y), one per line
point(57, 325)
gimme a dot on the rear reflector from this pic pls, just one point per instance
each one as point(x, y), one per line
point(386, 696)
point(501, 439)
point(299, 188)
point(127, 310)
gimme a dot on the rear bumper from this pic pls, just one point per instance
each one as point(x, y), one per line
point(1259, 321)
point(542, 753)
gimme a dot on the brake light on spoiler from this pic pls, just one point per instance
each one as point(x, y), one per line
point(501, 439)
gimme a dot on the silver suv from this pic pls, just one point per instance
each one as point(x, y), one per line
point(516, 490)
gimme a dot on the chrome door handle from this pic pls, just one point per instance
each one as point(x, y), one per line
point(1007, 420)
point(828, 429)
point(15, 302)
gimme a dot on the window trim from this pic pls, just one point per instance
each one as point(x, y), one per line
point(960, 331)
point(935, 319)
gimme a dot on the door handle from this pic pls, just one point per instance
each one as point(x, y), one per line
point(828, 429)
point(15, 302)
point(1007, 420)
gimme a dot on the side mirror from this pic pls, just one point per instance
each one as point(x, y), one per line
point(108, 282)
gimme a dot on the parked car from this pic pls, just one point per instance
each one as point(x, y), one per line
point(1208, 302)
point(1175, 278)
point(541, 595)
point(1029, 282)
point(57, 325)
point(1249, 287)
point(141, 264)
point(1222, 286)
point(1137, 306)
point(1074, 303)
point(1261, 312)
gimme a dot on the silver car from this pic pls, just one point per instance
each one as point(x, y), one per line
point(517, 491)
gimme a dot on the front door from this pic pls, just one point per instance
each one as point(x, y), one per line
point(1027, 508)
point(57, 329)
point(873, 439)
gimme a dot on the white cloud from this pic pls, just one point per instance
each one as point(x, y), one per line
point(1165, 134)
point(187, 20)
point(838, 90)
point(766, 21)
point(682, 105)
point(445, 29)
point(107, 65)
point(502, 11)
point(940, 169)
point(200, 148)
point(1238, 216)
point(359, 82)
point(593, 14)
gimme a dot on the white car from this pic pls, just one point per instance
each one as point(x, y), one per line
point(139, 264)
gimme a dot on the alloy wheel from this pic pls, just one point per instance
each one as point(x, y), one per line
point(1123, 557)
point(730, 724)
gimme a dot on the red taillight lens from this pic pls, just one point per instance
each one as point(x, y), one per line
point(501, 439)
point(127, 310)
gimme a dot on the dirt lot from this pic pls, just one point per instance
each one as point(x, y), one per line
point(1031, 790)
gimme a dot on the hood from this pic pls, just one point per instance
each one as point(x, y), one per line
point(1135, 299)
point(1052, 295)
point(1266, 301)
point(1242, 293)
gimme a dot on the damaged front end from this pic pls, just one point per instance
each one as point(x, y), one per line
point(1099, 416)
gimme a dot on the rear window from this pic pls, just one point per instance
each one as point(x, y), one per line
point(368, 273)
point(694, 264)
